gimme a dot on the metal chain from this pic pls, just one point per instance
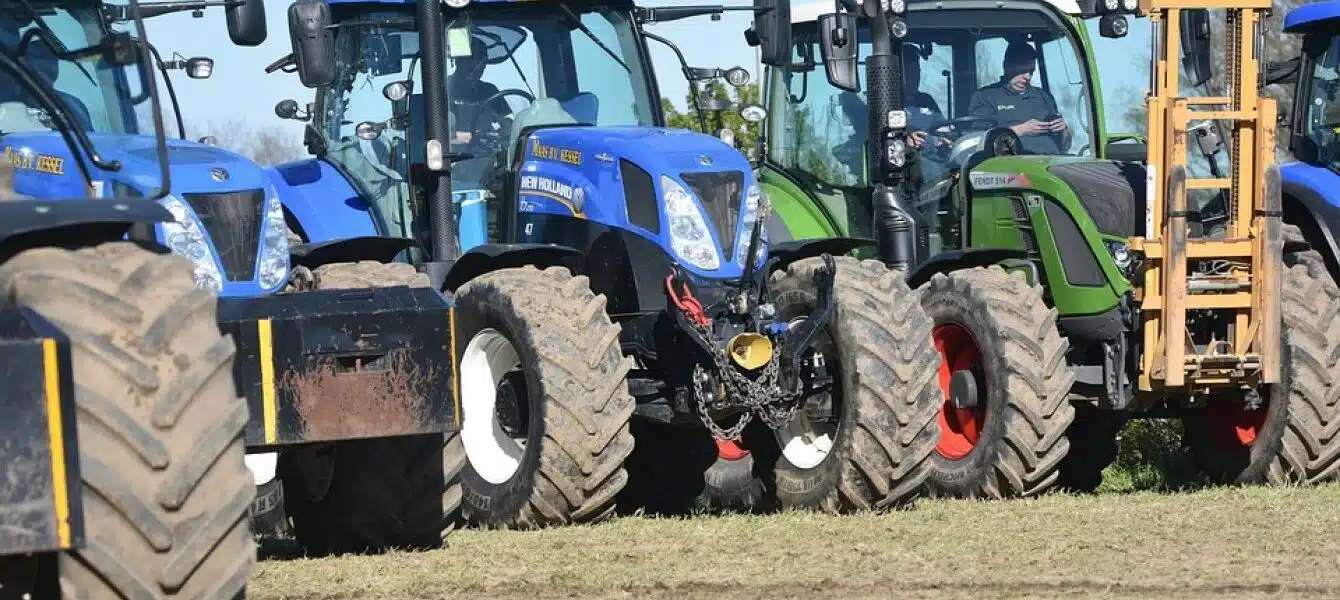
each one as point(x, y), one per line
point(763, 396)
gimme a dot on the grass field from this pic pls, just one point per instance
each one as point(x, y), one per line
point(1215, 543)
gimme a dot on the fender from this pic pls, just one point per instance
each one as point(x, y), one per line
point(322, 201)
point(1300, 192)
point(782, 254)
point(26, 224)
point(486, 258)
point(377, 248)
point(955, 260)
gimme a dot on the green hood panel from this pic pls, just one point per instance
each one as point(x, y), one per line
point(1034, 179)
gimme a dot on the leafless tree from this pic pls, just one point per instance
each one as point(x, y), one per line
point(268, 145)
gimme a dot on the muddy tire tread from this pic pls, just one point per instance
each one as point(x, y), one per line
point(886, 336)
point(586, 406)
point(159, 423)
point(1039, 412)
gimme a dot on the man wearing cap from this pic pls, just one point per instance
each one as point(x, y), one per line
point(469, 90)
point(1029, 111)
point(922, 110)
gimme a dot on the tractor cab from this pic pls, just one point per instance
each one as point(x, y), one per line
point(1315, 118)
point(370, 121)
point(981, 80)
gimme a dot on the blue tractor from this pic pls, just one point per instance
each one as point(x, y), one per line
point(609, 273)
point(1311, 181)
point(122, 441)
point(334, 342)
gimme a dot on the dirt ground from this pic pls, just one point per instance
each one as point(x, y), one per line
point(1219, 543)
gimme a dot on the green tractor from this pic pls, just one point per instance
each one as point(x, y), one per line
point(1039, 240)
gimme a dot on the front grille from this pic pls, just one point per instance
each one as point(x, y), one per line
point(233, 222)
point(1112, 193)
point(721, 193)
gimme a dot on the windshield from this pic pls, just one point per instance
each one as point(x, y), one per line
point(95, 92)
point(956, 63)
point(1323, 118)
point(591, 71)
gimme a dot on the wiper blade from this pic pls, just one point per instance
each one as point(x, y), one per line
point(577, 22)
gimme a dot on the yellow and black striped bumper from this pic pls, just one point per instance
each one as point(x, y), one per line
point(39, 490)
point(344, 364)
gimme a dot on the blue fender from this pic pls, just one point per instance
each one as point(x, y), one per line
point(323, 203)
point(1312, 193)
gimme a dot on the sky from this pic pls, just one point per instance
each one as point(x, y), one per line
point(240, 88)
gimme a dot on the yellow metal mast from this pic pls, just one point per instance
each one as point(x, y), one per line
point(1247, 294)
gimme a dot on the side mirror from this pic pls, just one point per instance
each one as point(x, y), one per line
point(1128, 151)
point(1196, 45)
point(772, 28)
point(246, 23)
point(313, 42)
point(837, 45)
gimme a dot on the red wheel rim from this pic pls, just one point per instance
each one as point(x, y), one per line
point(959, 427)
point(730, 450)
point(1232, 424)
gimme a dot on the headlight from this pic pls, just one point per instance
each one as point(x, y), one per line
point(1121, 254)
point(688, 228)
point(185, 238)
point(273, 264)
point(752, 201)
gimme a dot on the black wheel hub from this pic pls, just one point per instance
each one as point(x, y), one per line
point(963, 389)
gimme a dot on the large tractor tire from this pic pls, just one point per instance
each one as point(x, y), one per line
point(1294, 436)
point(544, 401)
point(1003, 354)
point(165, 491)
point(369, 495)
point(872, 452)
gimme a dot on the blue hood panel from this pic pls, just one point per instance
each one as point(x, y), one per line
point(576, 172)
point(191, 164)
point(45, 169)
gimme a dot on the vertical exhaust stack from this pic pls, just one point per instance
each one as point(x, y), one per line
point(444, 245)
point(900, 235)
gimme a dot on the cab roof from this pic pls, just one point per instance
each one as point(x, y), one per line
point(1309, 16)
point(808, 11)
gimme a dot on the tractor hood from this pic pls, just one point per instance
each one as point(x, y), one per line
point(229, 221)
point(44, 168)
point(632, 177)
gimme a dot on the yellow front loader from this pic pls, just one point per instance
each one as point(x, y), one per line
point(1238, 337)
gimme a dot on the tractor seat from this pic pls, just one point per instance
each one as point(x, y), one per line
point(585, 107)
point(544, 111)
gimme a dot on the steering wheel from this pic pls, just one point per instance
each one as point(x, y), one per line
point(483, 104)
point(952, 129)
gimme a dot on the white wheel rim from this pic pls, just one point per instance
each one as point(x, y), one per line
point(493, 453)
point(804, 443)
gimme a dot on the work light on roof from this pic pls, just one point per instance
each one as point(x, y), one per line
point(457, 3)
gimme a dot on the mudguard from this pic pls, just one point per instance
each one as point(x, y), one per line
point(324, 204)
point(955, 260)
point(1315, 191)
point(377, 248)
point(491, 257)
point(782, 254)
point(26, 224)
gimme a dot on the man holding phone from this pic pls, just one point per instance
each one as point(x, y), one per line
point(1015, 103)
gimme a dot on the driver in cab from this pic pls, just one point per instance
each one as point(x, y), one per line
point(1031, 112)
point(467, 92)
